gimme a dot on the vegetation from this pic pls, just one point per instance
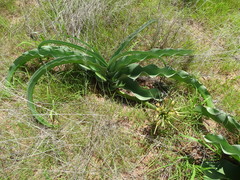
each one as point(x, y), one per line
point(224, 168)
point(101, 136)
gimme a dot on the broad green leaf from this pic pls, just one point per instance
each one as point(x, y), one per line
point(84, 60)
point(130, 38)
point(140, 93)
point(44, 51)
point(79, 48)
point(222, 169)
point(220, 116)
point(221, 142)
point(86, 44)
point(133, 71)
point(134, 98)
point(127, 58)
point(130, 57)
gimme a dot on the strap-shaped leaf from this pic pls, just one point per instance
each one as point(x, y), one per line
point(83, 60)
point(124, 59)
point(83, 42)
point(221, 142)
point(130, 38)
point(79, 48)
point(134, 98)
point(133, 71)
point(44, 51)
point(222, 169)
point(140, 93)
point(219, 116)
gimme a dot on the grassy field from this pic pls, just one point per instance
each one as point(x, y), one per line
point(99, 136)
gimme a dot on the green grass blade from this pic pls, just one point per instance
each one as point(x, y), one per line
point(80, 48)
point(84, 60)
point(220, 117)
point(130, 38)
point(221, 142)
point(44, 51)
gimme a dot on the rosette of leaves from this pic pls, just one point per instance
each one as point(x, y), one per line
point(119, 72)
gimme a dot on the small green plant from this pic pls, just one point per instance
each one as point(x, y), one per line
point(120, 72)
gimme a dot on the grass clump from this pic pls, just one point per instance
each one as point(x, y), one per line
point(7, 4)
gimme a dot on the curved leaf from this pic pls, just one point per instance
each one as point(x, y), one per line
point(44, 51)
point(222, 169)
point(86, 44)
point(80, 48)
point(130, 38)
point(219, 116)
point(134, 98)
point(133, 71)
point(83, 60)
point(140, 93)
point(221, 142)
point(124, 59)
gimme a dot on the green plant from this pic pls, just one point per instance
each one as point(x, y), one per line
point(120, 72)
point(228, 167)
point(7, 3)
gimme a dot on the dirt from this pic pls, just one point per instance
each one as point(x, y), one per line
point(195, 152)
point(140, 171)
